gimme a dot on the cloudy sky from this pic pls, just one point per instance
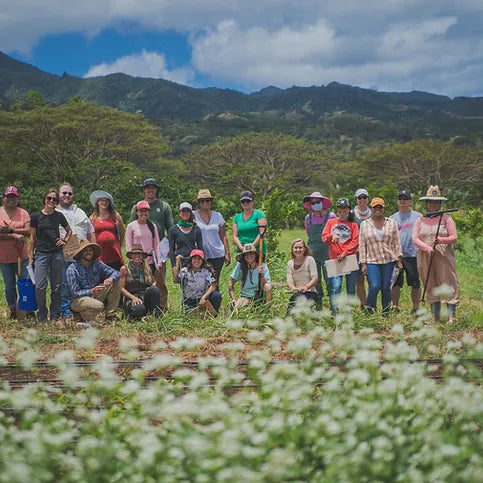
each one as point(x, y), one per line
point(389, 45)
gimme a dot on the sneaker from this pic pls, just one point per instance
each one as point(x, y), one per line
point(85, 324)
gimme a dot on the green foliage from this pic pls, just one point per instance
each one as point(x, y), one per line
point(470, 223)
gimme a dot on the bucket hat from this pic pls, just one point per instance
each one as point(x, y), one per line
point(99, 194)
point(433, 194)
point(136, 248)
point(83, 245)
point(148, 182)
point(326, 202)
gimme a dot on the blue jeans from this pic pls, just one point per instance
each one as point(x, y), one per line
point(379, 277)
point(9, 273)
point(48, 268)
point(350, 281)
point(214, 298)
point(66, 297)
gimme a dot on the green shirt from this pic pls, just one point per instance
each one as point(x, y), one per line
point(160, 214)
point(248, 230)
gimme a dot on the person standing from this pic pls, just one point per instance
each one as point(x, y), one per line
point(315, 222)
point(82, 229)
point(342, 235)
point(405, 218)
point(92, 283)
point(109, 228)
point(14, 228)
point(213, 233)
point(379, 251)
point(46, 254)
point(161, 215)
point(443, 267)
point(361, 212)
point(247, 224)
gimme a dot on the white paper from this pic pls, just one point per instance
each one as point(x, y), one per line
point(30, 271)
point(164, 249)
point(394, 275)
point(343, 267)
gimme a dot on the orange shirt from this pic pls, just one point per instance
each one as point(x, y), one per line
point(11, 248)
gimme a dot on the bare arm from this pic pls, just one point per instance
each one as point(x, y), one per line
point(224, 239)
point(33, 239)
point(236, 240)
point(124, 291)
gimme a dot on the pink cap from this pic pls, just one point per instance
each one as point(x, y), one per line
point(142, 205)
point(200, 253)
point(10, 190)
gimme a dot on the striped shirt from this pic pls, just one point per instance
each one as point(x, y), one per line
point(382, 247)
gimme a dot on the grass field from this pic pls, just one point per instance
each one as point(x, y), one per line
point(54, 337)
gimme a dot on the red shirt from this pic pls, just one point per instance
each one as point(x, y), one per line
point(12, 248)
point(348, 234)
point(107, 238)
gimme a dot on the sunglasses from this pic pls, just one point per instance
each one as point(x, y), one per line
point(315, 202)
point(243, 202)
point(11, 197)
point(185, 210)
point(378, 207)
point(51, 198)
point(67, 193)
point(204, 200)
point(362, 197)
point(405, 198)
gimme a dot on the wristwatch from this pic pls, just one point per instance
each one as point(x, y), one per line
point(11, 230)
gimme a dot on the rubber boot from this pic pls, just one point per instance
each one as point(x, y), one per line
point(436, 311)
point(451, 313)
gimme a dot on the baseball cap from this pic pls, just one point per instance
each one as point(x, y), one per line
point(11, 190)
point(377, 201)
point(246, 195)
point(142, 205)
point(185, 205)
point(361, 191)
point(200, 253)
point(404, 193)
point(343, 203)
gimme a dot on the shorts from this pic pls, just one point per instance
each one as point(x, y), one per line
point(410, 266)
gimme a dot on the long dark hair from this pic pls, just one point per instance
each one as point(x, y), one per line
point(111, 209)
point(204, 264)
point(244, 269)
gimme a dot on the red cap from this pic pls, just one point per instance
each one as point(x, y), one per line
point(10, 190)
point(195, 252)
point(142, 205)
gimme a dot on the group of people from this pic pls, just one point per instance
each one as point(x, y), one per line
point(81, 256)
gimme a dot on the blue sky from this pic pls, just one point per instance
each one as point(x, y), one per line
point(390, 45)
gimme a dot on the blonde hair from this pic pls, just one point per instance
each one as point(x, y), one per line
point(307, 251)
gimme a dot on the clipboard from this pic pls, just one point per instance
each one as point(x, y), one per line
point(343, 267)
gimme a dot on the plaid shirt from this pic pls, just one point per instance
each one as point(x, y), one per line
point(374, 250)
point(82, 279)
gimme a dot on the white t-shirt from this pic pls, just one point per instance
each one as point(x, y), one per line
point(210, 233)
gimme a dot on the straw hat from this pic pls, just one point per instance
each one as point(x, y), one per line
point(83, 245)
point(433, 194)
point(203, 195)
point(136, 248)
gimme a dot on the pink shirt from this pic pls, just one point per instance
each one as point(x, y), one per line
point(137, 233)
point(11, 247)
point(447, 223)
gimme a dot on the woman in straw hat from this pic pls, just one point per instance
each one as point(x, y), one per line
point(439, 247)
point(141, 295)
point(109, 228)
point(213, 232)
point(315, 222)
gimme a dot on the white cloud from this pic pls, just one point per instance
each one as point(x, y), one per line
point(144, 64)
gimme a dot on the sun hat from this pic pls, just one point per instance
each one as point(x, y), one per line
point(377, 201)
point(83, 245)
point(142, 205)
point(185, 205)
point(343, 203)
point(203, 195)
point(136, 248)
point(11, 190)
point(361, 191)
point(246, 195)
point(326, 202)
point(148, 182)
point(199, 253)
point(433, 194)
point(248, 248)
point(96, 195)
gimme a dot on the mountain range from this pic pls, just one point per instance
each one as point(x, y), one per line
point(158, 98)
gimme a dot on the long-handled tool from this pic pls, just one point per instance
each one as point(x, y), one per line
point(262, 230)
point(432, 214)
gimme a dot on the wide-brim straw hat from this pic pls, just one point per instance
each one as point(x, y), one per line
point(99, 194)
point(204, 194)
point(326, 202)
point(136, 248)
point(85, 244)
point(433, 194)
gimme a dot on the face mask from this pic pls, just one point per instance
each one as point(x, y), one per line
point(317, 206)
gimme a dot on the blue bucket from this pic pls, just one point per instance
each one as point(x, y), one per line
point(26, 295)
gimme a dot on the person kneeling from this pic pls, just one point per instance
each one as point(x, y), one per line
point(91, 282)
point(141, 295)
point(254, 279)
point(198, 284)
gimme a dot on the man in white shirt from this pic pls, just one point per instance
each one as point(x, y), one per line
point(405, 219)
point(82, 229)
